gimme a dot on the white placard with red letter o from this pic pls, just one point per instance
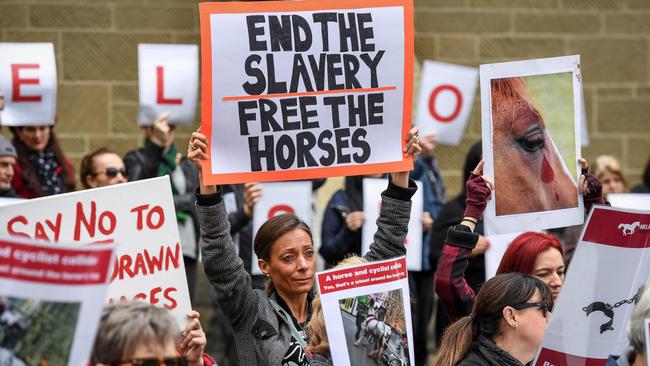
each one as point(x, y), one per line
point(445, 100)
point(277, 199)
point(28, 81)
point(168, 76)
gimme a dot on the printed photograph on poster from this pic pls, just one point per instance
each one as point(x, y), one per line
point(281, 198)
point(168, 82)
point(366, 308)
point(51, 298)
point(28, 81)
point(22, 324)
point(532, 121)
point(372, 188)
point(589, 322)
point(307, 89)
point(380, 325)
point(139, 215)
point(445, 100)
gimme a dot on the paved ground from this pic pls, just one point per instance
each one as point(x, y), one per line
point(358, 355)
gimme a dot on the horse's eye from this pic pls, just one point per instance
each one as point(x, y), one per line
point(532, 142)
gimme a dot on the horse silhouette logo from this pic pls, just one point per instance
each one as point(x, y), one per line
point(629, 228)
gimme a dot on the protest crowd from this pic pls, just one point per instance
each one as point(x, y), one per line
point(391, 271)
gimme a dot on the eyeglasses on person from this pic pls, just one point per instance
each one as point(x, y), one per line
point(112, 172)
point(542, 305)
point(167, 361)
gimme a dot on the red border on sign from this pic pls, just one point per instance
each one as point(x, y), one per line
point(206, 9)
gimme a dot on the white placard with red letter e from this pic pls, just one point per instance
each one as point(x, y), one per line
point(445, 100)
point(365, 303)
point(140, 216)
point(28, 81)
point(169, 81)
point(372, 189)
point(281, 198)
point(610, 264)
point(51, 299)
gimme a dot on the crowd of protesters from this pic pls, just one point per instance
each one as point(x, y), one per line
point(276, 318)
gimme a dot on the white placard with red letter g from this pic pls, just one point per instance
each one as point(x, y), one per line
point(281, 198)
point(445, 100)
point(28, 81)
point(168, 76)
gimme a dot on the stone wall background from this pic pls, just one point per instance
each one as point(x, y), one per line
point(96, 41)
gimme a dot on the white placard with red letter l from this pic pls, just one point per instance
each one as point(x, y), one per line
point(28, 81)
point(277, 199)
point(445, 100)
point(168, 76)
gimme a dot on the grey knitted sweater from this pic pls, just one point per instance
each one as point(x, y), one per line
point(262, 336)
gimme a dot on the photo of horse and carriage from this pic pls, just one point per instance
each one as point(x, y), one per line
point(375, 329)
point(35, 332)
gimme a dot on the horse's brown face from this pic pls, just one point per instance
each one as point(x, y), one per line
point(528, 172)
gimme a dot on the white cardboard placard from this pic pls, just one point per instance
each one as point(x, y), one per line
point(445, 100)
point(533, 190)
point(372, 189)
point(28, 81)
point(638, 201)
point(168, 80)
point(277, 199)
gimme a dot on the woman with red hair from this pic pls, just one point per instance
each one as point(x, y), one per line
point(531, 253)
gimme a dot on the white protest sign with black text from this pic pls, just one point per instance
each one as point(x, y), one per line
point(168, 79)
point(140, 216)
point(305, 89)
point(374, 295)
point(51, 299)
point(281, 198)
point(28, 81)
point(445, 100)
point(610, 264)
point(372, 189)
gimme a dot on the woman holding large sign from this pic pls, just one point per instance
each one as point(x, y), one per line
point(268, 325)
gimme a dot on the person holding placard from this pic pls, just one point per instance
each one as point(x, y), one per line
point(268, 325)
point(138, 333)
point(42, 169)
point(531, 253)
point(159, 157)
point(505, 327)
point(102, 168)
point(7, 165)
point(636, 355)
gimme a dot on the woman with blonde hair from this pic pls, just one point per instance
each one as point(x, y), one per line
point(608, 171)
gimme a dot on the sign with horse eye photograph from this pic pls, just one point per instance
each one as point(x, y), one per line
point(281, 198)
point(367, 313)
point(610, 264)
point(28, 81)
point(305, 89)
point(372, 189)
point(531, 117)
point(51, 298)
point(168, 81)
point(445, 100)
point(139, 216)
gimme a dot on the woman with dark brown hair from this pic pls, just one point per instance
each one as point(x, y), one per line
point(506, 326)
point(269, 325)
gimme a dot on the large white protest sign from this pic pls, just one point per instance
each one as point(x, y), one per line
point(372, 189)
point(281, 198)
point(373, 299)
point(611, 262)
point(445, 100)
point(140, 216)
point(28, 81)
point(168, 79)
point(498, 246)
point(639, 201)
point(532, 158)
point(51, 298)
point(305, 89)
